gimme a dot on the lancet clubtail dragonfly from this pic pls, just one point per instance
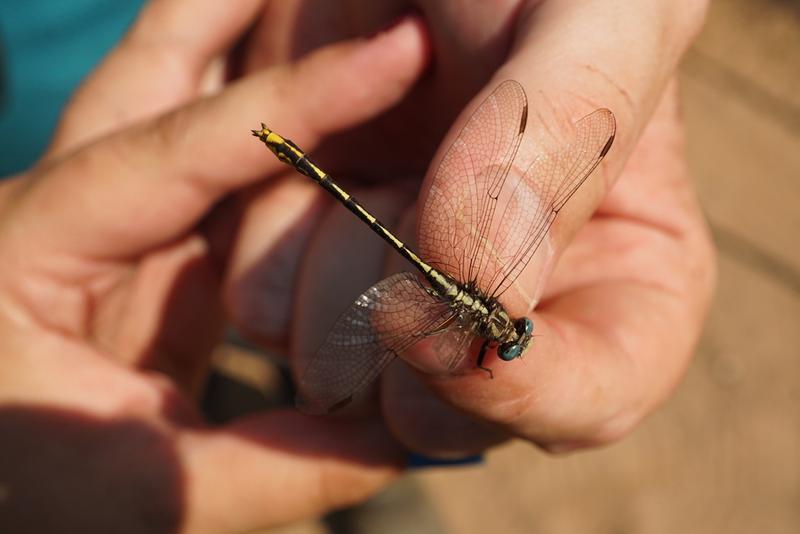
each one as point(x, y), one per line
point(470, 253)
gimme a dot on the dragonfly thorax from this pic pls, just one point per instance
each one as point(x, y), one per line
point(487, 316)
point(484, 315)
point(496, 325)
point(488, 319)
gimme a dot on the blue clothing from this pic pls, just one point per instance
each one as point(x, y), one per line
point(46, 48)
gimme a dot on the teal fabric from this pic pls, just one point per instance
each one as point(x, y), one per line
point(46, 48)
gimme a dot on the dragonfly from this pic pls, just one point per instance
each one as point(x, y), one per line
point(479, 227)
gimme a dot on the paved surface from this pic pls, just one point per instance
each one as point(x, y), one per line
point(723, 456)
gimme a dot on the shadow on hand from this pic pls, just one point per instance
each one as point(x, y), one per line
point(61, 471)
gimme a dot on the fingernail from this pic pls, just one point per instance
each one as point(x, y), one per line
point(390, 26)
point(420, 461)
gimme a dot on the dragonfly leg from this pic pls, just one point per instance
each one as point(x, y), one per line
point(481, 356)
point(444, 325)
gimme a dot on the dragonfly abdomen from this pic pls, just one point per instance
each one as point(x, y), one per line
point(292, 155)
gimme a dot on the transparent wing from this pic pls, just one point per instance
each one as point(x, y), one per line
point(451, 347)
point(386, 319)
point(460, 206)
point(532, 201)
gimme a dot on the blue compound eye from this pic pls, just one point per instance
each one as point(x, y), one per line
point(508, 352)
point(526, 327)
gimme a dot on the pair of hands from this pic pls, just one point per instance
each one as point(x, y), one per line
point(154, 214)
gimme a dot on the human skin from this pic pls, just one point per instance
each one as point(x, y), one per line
point(144, 225)
point(619, 315)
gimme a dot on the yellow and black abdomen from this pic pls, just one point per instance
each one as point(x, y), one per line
point(290, 154)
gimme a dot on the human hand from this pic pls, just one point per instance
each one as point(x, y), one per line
point(618, 318)
point(112, 251)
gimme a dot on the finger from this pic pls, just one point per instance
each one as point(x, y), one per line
point(158, 65)
point(175, 291)
point(609, 345)
point(342, 260)
point(150, 184)
point(577, 56)
point(282, 466)
point(572, 59)
point(277, 222)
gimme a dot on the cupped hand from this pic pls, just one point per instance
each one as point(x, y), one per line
point(112, 254)
point(618, 316)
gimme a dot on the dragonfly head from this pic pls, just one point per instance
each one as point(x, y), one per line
point(515, 349)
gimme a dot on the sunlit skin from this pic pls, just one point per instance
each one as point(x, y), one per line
point(613, 331)
point(484, 316)
point(152, 218)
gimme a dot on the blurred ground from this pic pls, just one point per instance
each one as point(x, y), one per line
point(723, 456)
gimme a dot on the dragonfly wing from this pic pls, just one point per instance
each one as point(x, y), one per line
point(462, 198)
point(452, 347)
point(533, 199)
point(385, 320)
